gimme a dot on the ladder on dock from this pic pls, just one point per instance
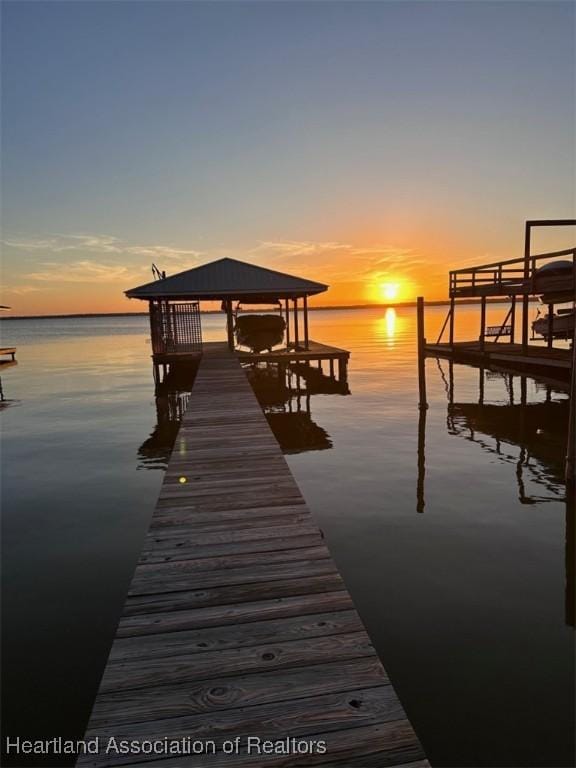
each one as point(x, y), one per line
point(237, 622)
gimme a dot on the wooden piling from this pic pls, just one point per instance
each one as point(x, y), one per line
point(296, 337)
point(513, 319)
point(550, 339)
point(306, 340)
point(482, 322)
point(526, 298)
point(423, 403)
point(571, 447)
point(229, 325)
point(287, 312)
point(420, 495)
point(452, 308)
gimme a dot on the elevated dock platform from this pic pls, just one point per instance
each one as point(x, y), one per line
point(237, 623)
point(551, 277)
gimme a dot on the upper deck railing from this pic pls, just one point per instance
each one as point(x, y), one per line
point(510, 277)
point(517, 276)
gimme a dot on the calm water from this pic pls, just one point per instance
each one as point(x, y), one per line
point(450, 534)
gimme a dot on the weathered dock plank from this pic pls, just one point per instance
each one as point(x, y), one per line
point(531, 359)
point(237, 622)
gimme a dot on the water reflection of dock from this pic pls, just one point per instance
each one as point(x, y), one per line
point(237, 622)
point(538, 429)
point(285, 393)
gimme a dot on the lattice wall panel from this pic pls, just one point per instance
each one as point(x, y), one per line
point(176, 327)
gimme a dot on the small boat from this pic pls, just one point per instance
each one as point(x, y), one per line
point(259, 332)
point(554, 281)
point(555, 268)
point(562, 325)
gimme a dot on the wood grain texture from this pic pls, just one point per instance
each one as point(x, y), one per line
point(325, 712)
point(235, 692)
point(236, 661)
point(393, 742)
point(235, 593)
point(237, 622)
point(235, 636)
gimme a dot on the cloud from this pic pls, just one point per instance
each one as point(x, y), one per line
point(30, 244)
point(99, 244)
point(83, 272)
point(343, 261)
point(22, 290)
point(291, 248)
point(95, 258)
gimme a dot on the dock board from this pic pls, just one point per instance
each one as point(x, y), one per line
point(8, 351)
point(515, 356)
point(237, 622)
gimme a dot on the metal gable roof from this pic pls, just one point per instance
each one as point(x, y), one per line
point(226, 278)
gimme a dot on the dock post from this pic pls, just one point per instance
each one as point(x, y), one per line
point(525, 297)
point(452, 308)
point(422, 404)
point(420, 497)
point(571, 447)
point(525, 311)
point(306, 344)
point(342, 368)
point(482, 322)
point(296, 339)
point(230, 325)
point(513, 319)
point(550, 325)
point(571, 484)
point(287, 311)
point(523, 390)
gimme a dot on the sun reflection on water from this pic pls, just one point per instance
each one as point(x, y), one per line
point(387, 326)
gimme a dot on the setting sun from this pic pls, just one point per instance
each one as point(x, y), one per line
point(390, 291)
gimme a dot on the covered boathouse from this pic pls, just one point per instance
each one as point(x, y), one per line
point(283, 338)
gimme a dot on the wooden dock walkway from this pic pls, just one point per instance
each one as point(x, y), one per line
point(237, 622)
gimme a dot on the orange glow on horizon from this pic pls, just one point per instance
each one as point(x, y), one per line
point(361, 272)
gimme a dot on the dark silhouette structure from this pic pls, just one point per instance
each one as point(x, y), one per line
point(175, 320)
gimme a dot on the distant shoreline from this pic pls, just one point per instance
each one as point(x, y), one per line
point(403, 305)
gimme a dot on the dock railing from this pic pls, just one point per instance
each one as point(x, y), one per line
point(504, 278)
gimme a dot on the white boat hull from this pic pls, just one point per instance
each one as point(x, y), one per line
point(562, 326)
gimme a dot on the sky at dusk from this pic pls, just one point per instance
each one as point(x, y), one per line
point(362, 144)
